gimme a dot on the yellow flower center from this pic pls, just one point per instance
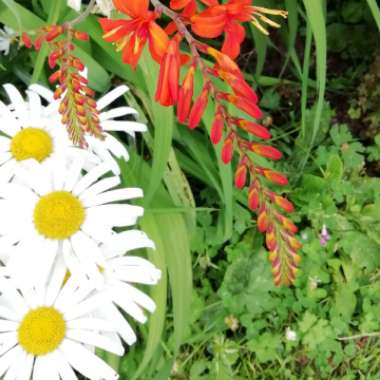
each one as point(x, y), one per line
point(41, 331)
point(58, 215)
point(31, 143)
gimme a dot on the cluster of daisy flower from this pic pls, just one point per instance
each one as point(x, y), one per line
point(66, 279)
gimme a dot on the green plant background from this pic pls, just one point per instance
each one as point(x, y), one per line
point(218, 314)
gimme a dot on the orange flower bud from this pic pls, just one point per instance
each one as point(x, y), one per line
point(262, 221)
point(275, 177)
point(83, 36)
point(244, 104)
point(55, 76)
point(167, 86)
point(241, 176)
point(284, 203)
point(253, 199)
point(217, 128)
point(38, 43)
point(54, 32)
point(254, 129)
point(266, 151)
point(198, 108)
point(185, 95)
point(270, 238)
point(26, 40)
point(227, 150)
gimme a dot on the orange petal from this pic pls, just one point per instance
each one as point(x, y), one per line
point(210, 23)
point(158, 41)
point(133, 8)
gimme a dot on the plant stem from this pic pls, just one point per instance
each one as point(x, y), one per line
point(82, 16)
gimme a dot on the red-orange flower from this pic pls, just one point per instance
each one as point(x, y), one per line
point(130, 36)
point(227, 18)
point(185, 95)
point(167, 86)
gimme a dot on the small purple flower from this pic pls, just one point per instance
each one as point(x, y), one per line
point(324, 236)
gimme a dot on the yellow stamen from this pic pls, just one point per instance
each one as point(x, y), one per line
point(112, 32)
point(269, 11)
point(255, 23)
point(31, 143)
point(136, 46)
point(41, 331)
point(58, 215)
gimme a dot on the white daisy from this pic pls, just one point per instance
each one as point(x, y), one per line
point(110, 121)
point(48, 332)
point(30, 131)
point(7, 36)
point(120, 271)
point(104, 6)
point(62, 212)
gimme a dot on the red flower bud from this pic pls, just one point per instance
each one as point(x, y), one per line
point(55, 76)
point(227, 150)
point(54, 32)
point(253, 199)
point(275, 177)
point(241, 176)
point(217, 128)
point(284, 203)
point(26, 40)
point(265, 151)
point(198, 108)
point(185, 95)
point(167, 85)
point(254, 129)
point(83, 36)
point(262, 221)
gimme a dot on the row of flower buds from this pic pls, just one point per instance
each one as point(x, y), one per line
point(232, 131)
point(77, 106)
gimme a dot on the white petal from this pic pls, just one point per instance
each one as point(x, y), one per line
point(111, 96)
point(86, 323)
point(117, 215)
point(116, 147)
point(135, 295)
point(112, 314)
point(13, 372)
point(9, 123)
point(7, 326)
point(84, 308)
point(86, 362)
point(63, 367)
point(101, 186)
point(123, 126)
point(34, 108)
point(97, 340)
point(17, 101)
point(127, 241)
point(10, 359)
point(127, 305)
point(117, 112)
point(7, 341)
point(43, 91)
point(90, 178)
point(44, 369)
point(25, 368)
point(111, 196)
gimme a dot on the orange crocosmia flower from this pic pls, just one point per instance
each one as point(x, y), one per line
point(167, 86)
point(227, 18)
point(130, 36)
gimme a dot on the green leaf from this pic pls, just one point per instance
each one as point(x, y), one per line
point(334, 170)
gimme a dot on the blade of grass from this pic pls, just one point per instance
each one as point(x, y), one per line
point(316, 18)
point(375, 11)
